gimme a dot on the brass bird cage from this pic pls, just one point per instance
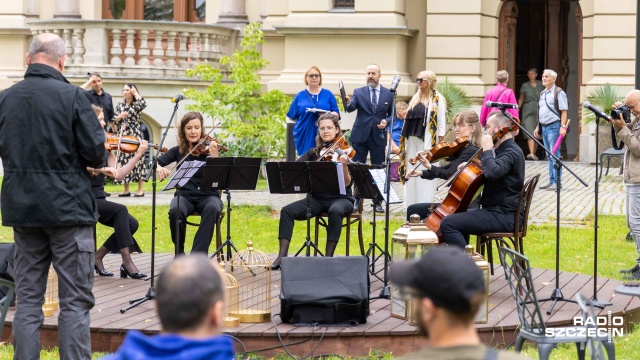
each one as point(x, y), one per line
point(252, 269)
point(231, 318)
point(51, 295)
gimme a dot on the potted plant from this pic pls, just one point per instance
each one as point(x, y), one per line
point(457, 99)
point(603, 97)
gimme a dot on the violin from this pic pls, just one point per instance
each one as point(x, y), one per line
point(127, 144)
point(442, 150)
point(330, 151)
point(203, 146)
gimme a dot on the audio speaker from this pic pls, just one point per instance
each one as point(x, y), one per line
point(324, 290)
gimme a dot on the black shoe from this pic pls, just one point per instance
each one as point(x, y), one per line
point(631, 271)
point(102, 272)
point(124, 273)
point(546, 186)
point(124, 195)
point(106, 194)
point(275, 267)
point(629, 236)
point(377, 208)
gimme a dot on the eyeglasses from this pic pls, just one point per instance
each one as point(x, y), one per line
point(459, 127)
point(329, 128)
point(419, 80)
point(313, 76)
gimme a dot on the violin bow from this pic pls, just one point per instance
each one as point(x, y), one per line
point(418, 161)
point(334, 145)
point(202, 139)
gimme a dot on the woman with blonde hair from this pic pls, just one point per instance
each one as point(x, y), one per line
point(424, 127)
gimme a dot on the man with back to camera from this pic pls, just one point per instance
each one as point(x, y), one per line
point(449, 289)
point(368, 135)
point(49, 134)
point(189, 298)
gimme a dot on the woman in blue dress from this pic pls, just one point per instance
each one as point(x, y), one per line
point(313, 97)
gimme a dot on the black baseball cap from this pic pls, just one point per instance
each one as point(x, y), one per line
point(445, 274)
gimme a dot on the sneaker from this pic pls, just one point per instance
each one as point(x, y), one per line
point(535, 157)
point(546, 186)
point(630, 271)
point(551, 187)
point(530, 157)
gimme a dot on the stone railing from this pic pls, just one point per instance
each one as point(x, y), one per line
point(138, 48)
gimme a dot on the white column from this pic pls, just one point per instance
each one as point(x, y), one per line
point(67, 9)
point(232, 13)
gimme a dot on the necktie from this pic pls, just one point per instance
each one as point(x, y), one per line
point(374, 100)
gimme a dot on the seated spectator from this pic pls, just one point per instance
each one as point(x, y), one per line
point(189, 297)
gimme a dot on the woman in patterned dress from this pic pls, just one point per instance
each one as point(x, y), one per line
point(127, 115)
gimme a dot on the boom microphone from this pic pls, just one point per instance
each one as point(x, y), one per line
point(596, 111)
point(395, 83)
point(500, 105)
point(177, 98)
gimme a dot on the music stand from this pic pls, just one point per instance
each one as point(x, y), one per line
point(369, 180)
point(180, 179)
point(305, 177)
point(230, 173)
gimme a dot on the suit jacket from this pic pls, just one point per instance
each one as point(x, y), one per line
point(368, 119)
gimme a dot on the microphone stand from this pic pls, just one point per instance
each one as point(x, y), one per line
point(556, 295)
point(151, 294)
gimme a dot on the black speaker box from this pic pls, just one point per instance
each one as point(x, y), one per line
point(7, 253)
point(324, 290)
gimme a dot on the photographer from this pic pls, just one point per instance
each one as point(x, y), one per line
point(629, 132)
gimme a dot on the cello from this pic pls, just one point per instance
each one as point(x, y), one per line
point(466, 185)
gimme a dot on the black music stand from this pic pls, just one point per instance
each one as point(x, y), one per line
point(180, 179)
point(230, 173)
point(304, 177)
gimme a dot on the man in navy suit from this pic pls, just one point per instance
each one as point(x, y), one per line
point(375, 105)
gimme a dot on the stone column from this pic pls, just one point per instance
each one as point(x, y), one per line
point(67, 9)
point(32, 8)
point(232, 14)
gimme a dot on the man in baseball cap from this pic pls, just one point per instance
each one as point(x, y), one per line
point(450, 289)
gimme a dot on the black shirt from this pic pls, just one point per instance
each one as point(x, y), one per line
point(104, 101)
point(192, 188)
point(416, 122)
point(504, 177)
point(445, 172)
point(312, 156)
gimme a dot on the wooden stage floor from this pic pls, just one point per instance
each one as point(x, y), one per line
point(381, 332)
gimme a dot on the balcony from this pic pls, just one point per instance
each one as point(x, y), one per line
point(138, 49)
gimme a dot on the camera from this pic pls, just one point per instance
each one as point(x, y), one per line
point(625, 111)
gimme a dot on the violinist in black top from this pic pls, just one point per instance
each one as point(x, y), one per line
point(466, 125)
point(503, 167)
point(207, 202)
point(337, 206)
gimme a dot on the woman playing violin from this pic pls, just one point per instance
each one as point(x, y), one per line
point(115, 215)
point(206, 202)
point(503, 168)
point(466, 125)
point(337, 206)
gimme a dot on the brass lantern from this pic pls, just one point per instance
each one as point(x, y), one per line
point(252, 269)
point(51, 295)
point(483, 312)
point(409, 242)
point(230, 298)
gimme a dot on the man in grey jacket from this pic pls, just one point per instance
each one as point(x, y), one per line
point(49, 134)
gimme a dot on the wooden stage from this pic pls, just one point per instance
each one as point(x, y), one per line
point(381, 332)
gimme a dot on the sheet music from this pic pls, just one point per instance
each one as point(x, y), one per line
point(184, 174)
point(343, 189)
point(379, 176)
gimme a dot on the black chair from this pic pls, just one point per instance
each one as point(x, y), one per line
point(5, 302)
point(519, 232)
point(609, 153)
point(356, 217)
point(532, 327)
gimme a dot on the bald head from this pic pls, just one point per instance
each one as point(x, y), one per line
point(48, 49)
point(632, 99)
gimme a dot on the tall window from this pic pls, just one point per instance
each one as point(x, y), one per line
point(158, 10)
point(201, 7)
point(343, 4)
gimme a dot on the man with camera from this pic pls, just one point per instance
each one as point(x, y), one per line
point(552, 120)
point(629, 132)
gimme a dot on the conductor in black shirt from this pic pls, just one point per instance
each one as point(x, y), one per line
point(207, 202)
point(503, 166)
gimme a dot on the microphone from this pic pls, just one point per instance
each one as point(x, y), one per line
point(500, 105)
point(395, 83)
point(177, 98)
point(596, 111)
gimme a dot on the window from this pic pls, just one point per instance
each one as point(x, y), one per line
point(343, 4)
point(201, 7)
point(158, 10)
point(117, 7)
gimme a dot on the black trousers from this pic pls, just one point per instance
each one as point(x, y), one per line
point(209, 208)
point(422, 209)
point(124, 225)
point(336, 208)
point(377, 153)
point(455, 227)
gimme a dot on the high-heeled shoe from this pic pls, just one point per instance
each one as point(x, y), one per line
point(124, 273)
point(102, 272)
point(275, 267)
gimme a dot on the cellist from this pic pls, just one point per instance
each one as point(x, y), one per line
point(335, 205)
point(466, 124)
point(503, 167)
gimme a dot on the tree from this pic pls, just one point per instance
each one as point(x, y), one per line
point(246, 114)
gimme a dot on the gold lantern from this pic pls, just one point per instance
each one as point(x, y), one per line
point(483, 312)
point(230, 298)
point(409, 242)
point(252, 270)
point(51, 295)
